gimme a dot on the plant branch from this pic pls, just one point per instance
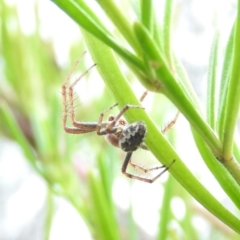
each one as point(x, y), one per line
point(233, 97)
point(116, 83)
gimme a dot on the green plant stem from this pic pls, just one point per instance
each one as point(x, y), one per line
point(103, 211)
point(233, 98)
point(116, 83)
point(84, 19)
point(223, 91)
point(146, 14)
point(167, 32)
point(49, 215)
point(174, 91)
point(223, 177)
point(212, 79)
point(120, 21)
point(165, 212)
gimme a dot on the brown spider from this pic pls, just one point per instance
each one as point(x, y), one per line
point(117, 132)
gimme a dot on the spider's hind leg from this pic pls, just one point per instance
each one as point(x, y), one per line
point(127, 161)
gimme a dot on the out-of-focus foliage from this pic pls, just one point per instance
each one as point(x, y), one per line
point(82, 169)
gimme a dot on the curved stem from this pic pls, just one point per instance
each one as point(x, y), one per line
point(157, 144)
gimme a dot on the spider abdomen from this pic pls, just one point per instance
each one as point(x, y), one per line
point(132, 136)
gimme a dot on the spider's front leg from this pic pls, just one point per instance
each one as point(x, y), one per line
point(78, 127)
point(114, 120)
point(103, 128)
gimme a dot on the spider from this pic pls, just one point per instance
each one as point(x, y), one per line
point(117, 132)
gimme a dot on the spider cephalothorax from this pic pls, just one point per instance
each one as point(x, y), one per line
point(128, 137)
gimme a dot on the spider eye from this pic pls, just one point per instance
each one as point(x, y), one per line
point(111, 118)
point(122, 122)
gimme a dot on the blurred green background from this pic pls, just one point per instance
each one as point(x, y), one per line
point(83, 169)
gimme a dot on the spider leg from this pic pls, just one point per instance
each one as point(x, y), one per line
point(100, 124)
point(79, 127)
point(148, 180)
point(143, 146)
point(145, 170)
point(171, 124)
point(160, 174)
point(110, 127)
point(143, 96)
point(75, 123)
point(67, 129)
point(168, 127)
point(120, 114)
point(73, 68)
